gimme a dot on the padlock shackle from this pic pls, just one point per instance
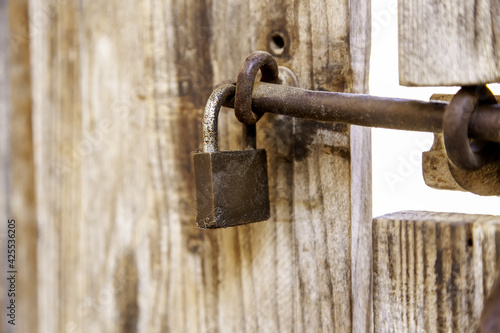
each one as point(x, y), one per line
point(219, 96)
point(211, 117)
point(249, 136)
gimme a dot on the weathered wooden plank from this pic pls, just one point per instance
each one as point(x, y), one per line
point(17, 169)
point(119, 90)
point(490, 316)
point(361, 180)
point(432, 271)
point(445, 43)
point(4, 145)
point(361, 230)
point(58, 150)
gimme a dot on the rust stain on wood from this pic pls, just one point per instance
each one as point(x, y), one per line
point(308, 132)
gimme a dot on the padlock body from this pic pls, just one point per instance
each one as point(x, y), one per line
point(231, 188)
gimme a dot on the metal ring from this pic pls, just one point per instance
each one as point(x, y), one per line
point(211, 116)
point(455, 128)
point(246, 78)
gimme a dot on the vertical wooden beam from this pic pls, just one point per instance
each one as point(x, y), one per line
point(361, 180)
point(58, 145)
point(17, 165)
point(432, 271)
point(119, 89)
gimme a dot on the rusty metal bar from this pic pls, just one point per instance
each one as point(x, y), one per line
point(366, 110)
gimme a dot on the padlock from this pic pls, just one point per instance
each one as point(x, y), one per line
point(231, 186)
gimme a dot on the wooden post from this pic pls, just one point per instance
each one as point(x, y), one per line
point(4, 139)
point(432, 271)
point(17, 196)
point(118, 91)
point(451, 42)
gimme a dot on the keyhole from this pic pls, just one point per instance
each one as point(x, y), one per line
point(277, 43)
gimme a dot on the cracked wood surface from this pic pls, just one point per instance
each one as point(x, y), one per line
point(433, 271)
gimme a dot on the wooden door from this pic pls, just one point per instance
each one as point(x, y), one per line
point(101, 108)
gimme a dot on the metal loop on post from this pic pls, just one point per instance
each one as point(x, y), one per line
point(211, 116)
point(456, 124)
point(245, 81)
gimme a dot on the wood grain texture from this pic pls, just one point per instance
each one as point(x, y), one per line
point(435, 167)
point(489, 322)
point(361, 180)
point(445, 43)
point(118, 91)
point(57, 133)
point(4, 144)
point(18, 172)
point(432, 271)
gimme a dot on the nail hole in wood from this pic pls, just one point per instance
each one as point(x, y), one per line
point(277, 43)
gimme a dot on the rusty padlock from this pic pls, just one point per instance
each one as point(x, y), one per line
point(231, 186)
